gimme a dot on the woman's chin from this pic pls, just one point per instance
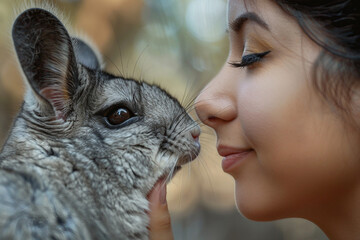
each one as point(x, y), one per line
point(255, 206)
point(256, 212)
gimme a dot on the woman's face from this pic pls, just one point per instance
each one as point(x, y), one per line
point(290, 153)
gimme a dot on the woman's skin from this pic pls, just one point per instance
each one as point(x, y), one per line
point(290, 152)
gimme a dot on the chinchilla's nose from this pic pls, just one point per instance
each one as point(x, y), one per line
point(195, 133)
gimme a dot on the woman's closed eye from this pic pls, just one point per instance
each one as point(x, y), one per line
point(249, 59)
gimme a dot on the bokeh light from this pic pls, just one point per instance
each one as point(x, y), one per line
point(205, 19)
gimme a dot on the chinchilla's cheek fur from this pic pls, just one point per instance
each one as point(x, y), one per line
point(87, 146)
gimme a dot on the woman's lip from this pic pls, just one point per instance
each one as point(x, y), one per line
point(231, 161)
point(224, 150)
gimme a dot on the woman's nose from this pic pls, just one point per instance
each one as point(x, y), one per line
point(214, 106)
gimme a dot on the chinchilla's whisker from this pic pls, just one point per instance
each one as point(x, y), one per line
point(170, 174)
point(177, 120)
point(187, 128)
point(117, 40)
point(190, 96)
point(191, 103)
point(205, 167)
point(138, 59)
point(185, 92)
point(109, 60)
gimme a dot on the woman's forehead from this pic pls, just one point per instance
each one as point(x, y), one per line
point(241, 11)
point(238, 8)
point(264, 13)
point(234, 8)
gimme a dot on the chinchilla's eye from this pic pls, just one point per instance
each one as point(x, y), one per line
point(118, 116)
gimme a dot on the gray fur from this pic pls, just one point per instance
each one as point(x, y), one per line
point(64, 172)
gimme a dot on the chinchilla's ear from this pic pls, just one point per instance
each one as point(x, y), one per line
point(46, 56)
point(85, 54)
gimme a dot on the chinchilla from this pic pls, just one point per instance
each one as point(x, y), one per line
point(87, 146)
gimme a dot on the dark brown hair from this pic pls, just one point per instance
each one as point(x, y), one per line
point(335, 26)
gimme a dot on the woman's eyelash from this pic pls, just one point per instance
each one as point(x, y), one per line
point(249, 59)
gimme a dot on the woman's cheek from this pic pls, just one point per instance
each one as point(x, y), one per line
point(263, 108)
point(298, 140)
point(273, 115)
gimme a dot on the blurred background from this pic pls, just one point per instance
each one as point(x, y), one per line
point(179, 44)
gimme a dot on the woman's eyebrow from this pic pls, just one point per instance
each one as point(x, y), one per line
point(237, 24)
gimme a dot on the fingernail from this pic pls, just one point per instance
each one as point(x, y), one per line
point(163, 194)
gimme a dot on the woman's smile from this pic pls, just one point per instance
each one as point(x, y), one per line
point(232, 157)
